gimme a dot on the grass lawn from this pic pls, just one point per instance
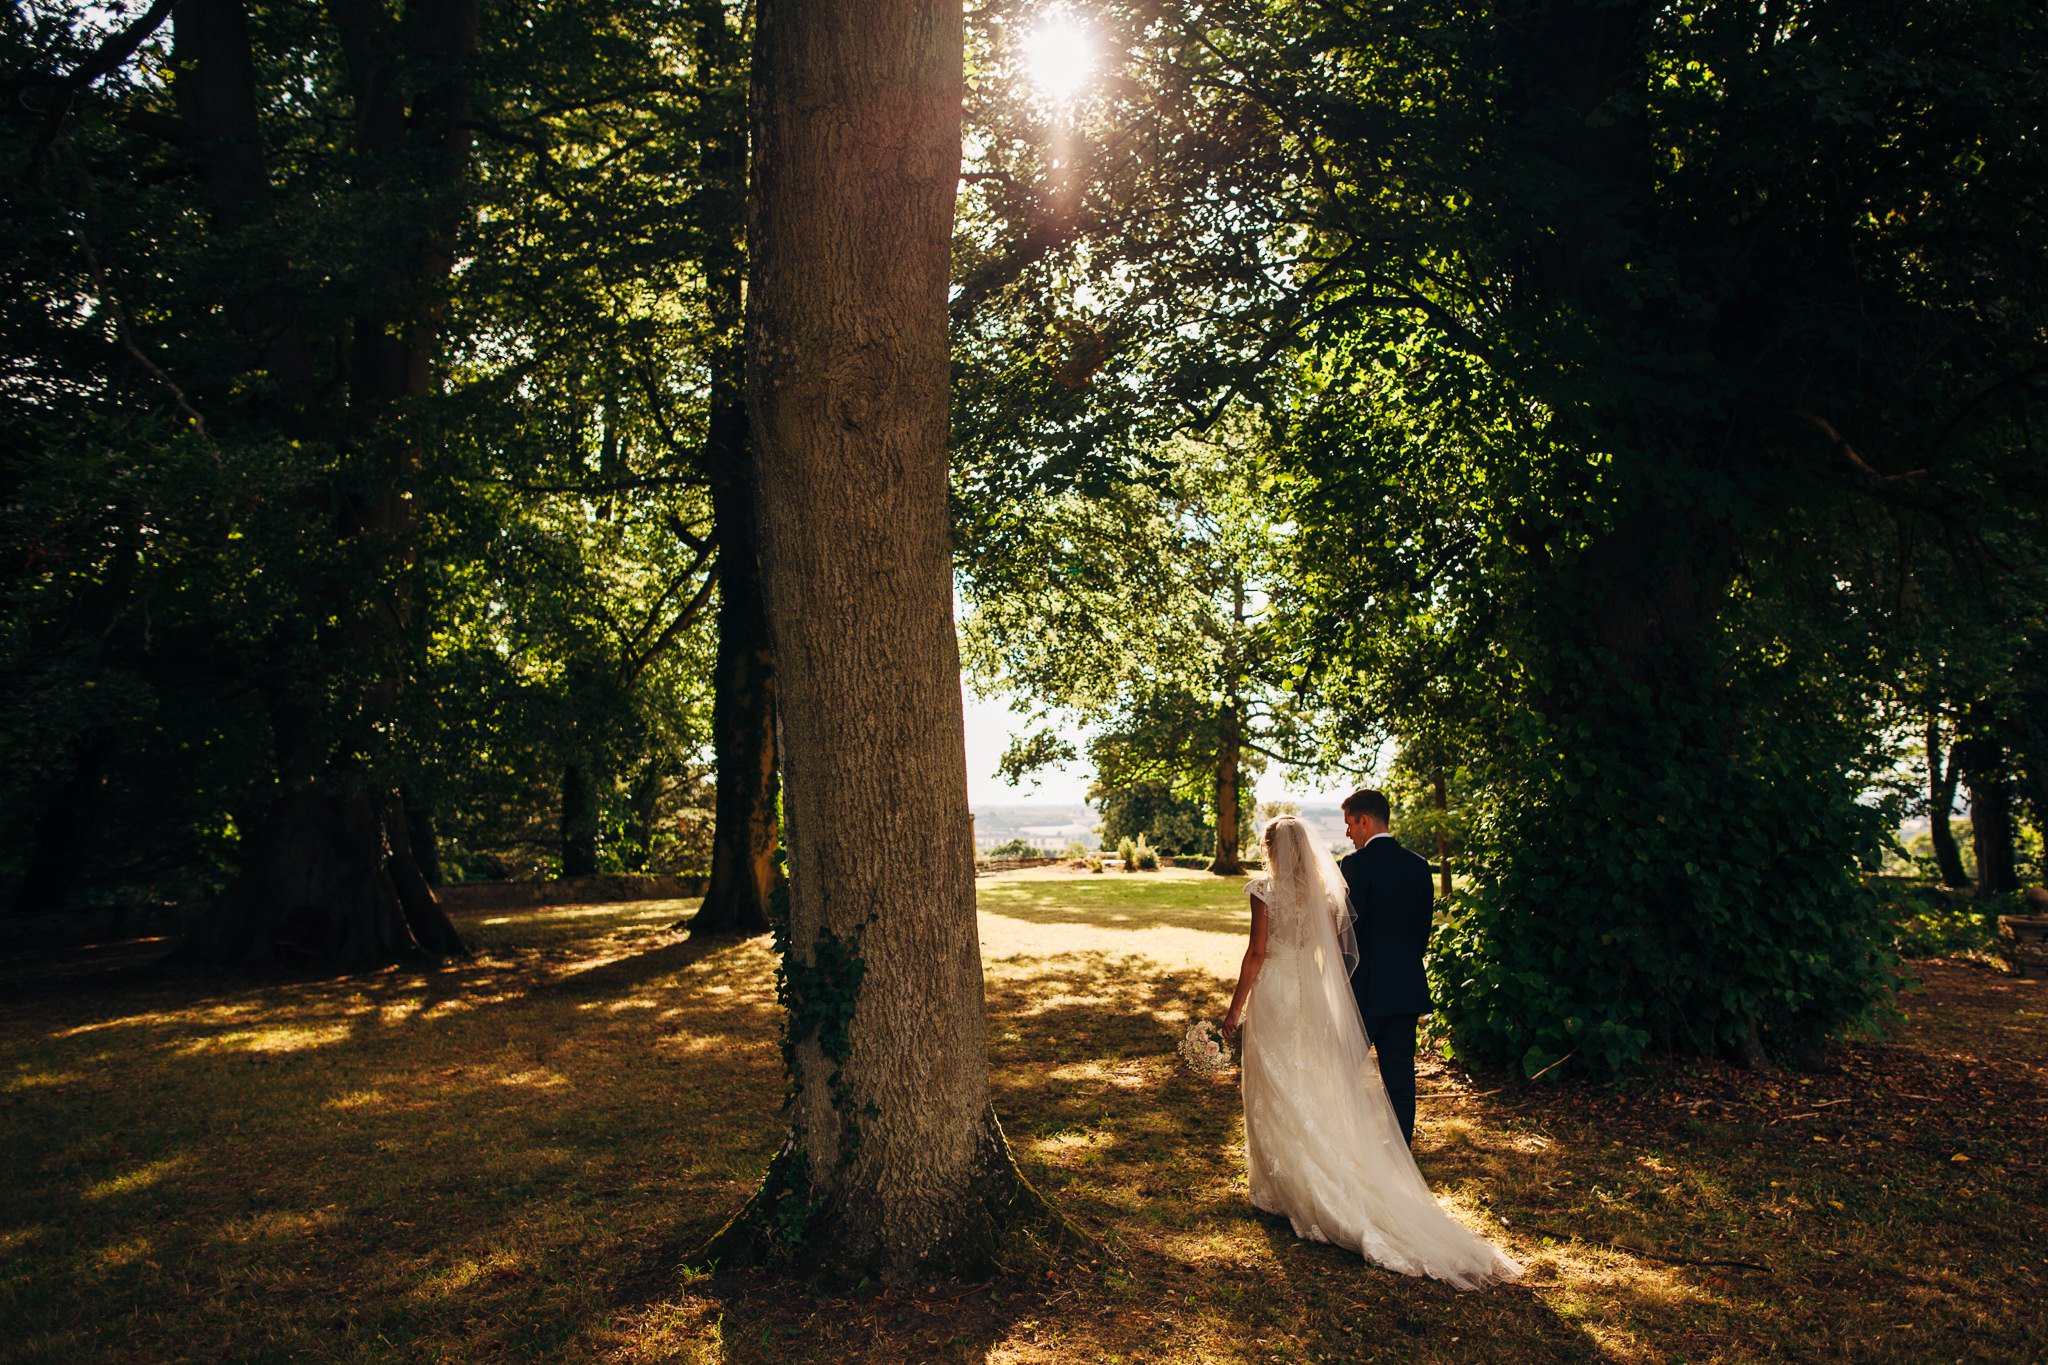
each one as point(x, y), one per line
point(506, 1159)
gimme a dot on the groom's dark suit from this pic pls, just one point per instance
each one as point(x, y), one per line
point(1393, 899)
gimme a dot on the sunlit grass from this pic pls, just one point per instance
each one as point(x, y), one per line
point(127, 1182)
point(507, 1160)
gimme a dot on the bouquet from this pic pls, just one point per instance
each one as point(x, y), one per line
point(1204, 1049)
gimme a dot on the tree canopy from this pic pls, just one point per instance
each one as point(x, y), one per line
point(1626, 412)
point(1650, 393)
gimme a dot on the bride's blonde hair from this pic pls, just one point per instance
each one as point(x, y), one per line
point(1266, 837)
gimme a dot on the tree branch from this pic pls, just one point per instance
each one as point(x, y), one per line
point(1848, 452)
point(108, 58)
point(690, 611)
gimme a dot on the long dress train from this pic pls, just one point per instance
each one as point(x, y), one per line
point(1321, 1140)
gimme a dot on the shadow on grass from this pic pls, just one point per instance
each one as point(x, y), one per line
point(1147, 1158)
point(371, 1165)
point(509, 1160)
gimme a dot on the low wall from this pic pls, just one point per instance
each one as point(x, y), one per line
point(1012, 864)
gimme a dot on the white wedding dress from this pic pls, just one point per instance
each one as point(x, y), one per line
point(1321, 1140)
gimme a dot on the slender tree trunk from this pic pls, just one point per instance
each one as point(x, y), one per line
point(579, 822)
point(746, 872)
point(57, 844)
point(1229, 754)
point(895, 1164)
point(1230, 745)
point(1941, 803)
point(1442, 792)
point(1991, 826)
point(643, 805)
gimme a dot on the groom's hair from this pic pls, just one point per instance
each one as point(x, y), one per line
point(1366, 801)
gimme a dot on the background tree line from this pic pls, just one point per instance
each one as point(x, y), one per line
point(376, 505)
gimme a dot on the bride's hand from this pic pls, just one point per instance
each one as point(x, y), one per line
point(1232, 1022)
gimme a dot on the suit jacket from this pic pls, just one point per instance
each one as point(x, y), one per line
point(1393, 898)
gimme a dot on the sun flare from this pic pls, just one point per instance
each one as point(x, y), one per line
point(1059, 56)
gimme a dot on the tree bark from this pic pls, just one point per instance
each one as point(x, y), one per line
point(1229, 755)
point(746, 873)
point(643, 805)
point(1991, 823)
point(579, 822)
point(332, 884)
point(895, 1164)
point(1442, 792)
point(423, 835)
point(1941, 803)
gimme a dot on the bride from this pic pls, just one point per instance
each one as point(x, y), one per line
point(1321, 1138)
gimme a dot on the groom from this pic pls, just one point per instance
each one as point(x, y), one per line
point(1392, 901)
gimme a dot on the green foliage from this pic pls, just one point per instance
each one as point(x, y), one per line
point(1144, 857)
point(1191, 688)
point(1153, 811)
point(1606, 475)
point(178, 597)
point(1016, 848)
point(820, 994)
point(1621, 905)
point(1934, 922)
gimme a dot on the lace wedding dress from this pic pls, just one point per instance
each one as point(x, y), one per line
point(1321, 1139)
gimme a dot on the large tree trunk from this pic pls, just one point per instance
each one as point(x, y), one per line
point(330, 874)
point(331, 882)
point(895, 1164)
point(1229, 754)
point(1941, 804)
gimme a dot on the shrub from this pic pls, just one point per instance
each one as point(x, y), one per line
point(1016, 848)
point(1701, 899)
point(1933, 922)
point(1146, 856)
point(1129, 853)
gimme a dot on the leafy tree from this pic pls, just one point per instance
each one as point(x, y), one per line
point(296, 363)
point(521, 650)
point(1598, 406)
point(1145, 609)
